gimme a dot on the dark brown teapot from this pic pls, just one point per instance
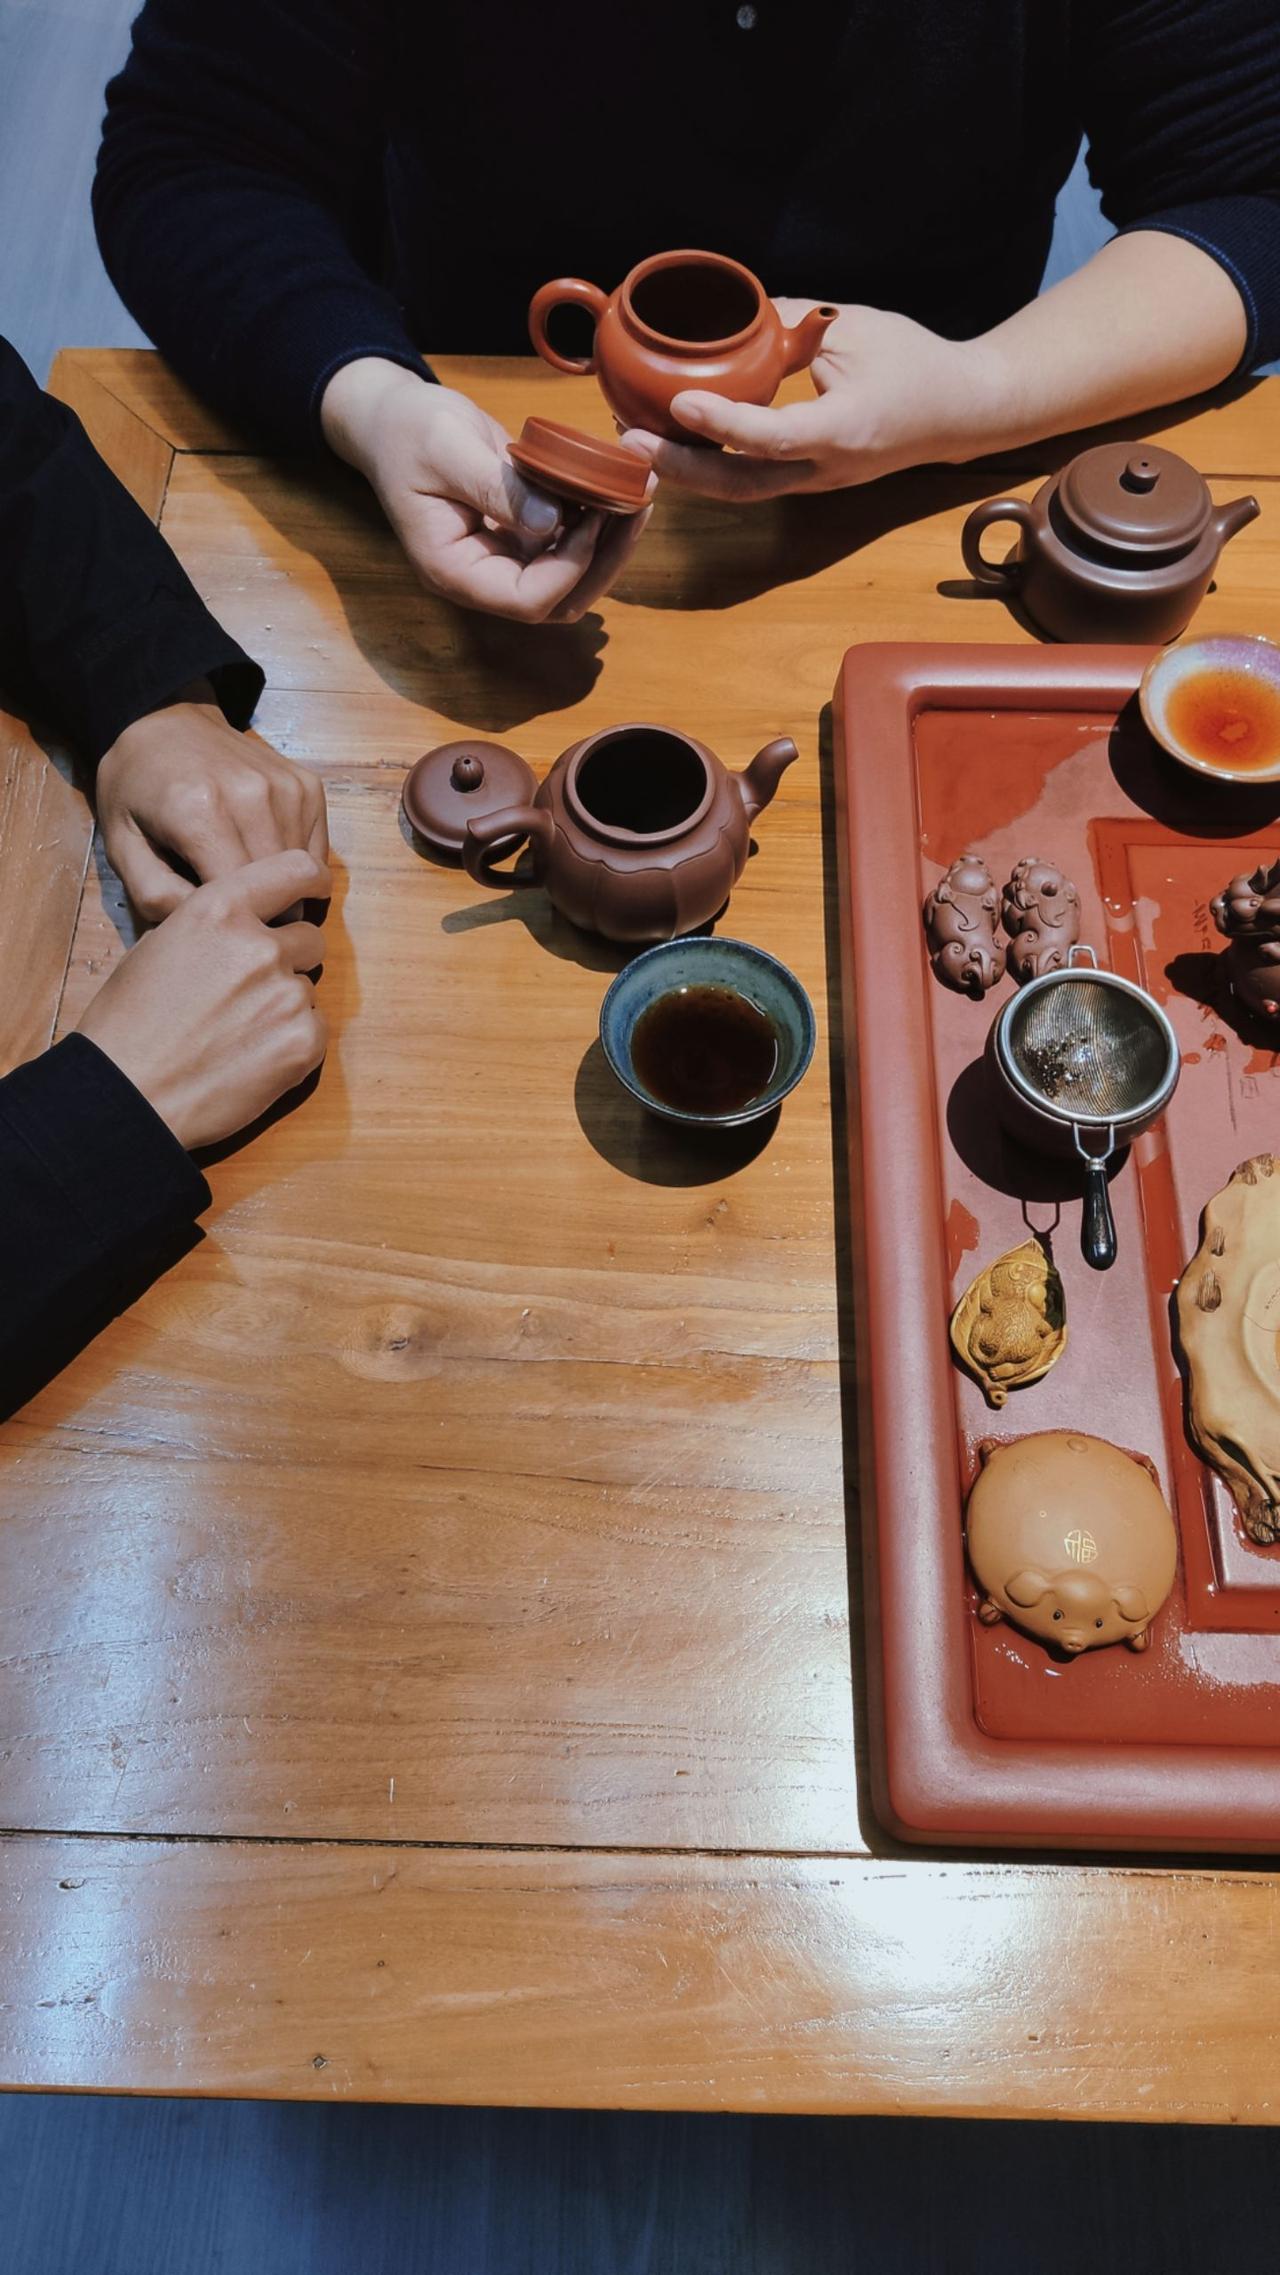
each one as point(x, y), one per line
point(1121, 545)
point(637, 833)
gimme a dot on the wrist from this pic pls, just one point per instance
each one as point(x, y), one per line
point(197, 694)
point(983, 395)
point(352, 405)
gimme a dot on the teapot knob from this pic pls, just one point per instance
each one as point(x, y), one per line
point(467, 771)
point(1140, 475)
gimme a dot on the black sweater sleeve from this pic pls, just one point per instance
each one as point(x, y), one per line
point(238, 200)
point(98, 623)
point(1181, 103)
point(94, 1190)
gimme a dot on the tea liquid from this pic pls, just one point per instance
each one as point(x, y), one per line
point(1227, 718)
point(704, 1050)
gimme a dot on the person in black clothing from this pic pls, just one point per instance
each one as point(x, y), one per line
point(211, 1017)
point(294, 198)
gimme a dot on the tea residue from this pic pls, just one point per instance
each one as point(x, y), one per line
point(1227, 718)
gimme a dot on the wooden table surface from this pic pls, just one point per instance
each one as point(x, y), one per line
point(430, 1636)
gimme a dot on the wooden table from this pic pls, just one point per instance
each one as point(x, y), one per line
point(430, 1643)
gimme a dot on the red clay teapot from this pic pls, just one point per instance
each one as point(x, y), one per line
point(684, 319)
point(637, 833)
point(1121, 545)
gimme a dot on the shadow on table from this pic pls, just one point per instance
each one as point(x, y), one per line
point(1193, 804)
point(652, 1151)
point(482, 669)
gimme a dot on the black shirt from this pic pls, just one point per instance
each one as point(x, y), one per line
point(284, 185)
point(98, 624)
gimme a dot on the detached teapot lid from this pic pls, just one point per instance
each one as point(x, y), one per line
point(1132, 497)
point(458, 782)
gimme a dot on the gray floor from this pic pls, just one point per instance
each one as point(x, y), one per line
point(102, 2187)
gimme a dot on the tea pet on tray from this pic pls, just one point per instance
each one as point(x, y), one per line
point(1071, 1540)
point(1228, 1317)
point(1010, 1324)
point(1247, 913)
point(1039, 909)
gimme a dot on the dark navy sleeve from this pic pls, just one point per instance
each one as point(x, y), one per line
point(94, 1189)
point(98, 622)
point(1181, 104)
point(239, 200)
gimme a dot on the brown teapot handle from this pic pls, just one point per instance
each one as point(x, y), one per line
point(564, 292)
point(986, 572)
point(495, 837)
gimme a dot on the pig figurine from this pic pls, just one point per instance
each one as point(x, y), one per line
point(1072, 1540)
point(960, 927)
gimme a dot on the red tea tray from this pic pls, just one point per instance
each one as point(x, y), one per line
point(980, 1736)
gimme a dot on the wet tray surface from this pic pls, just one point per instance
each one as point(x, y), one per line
point(983, 1737)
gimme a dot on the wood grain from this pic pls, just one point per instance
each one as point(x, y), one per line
point(45, 832)
point(478, 1479)
point(636, 1981)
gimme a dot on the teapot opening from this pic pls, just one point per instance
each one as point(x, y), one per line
point(640, 782)
point(701, 299)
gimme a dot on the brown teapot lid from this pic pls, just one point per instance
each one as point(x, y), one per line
point(458, 782)
point(1131, 497)
point(581, 468)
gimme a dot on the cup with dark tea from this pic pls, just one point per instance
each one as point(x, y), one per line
point(707, 1032)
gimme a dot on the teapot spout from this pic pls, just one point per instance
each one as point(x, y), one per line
point(802, 343)
point(1234, 517)
point(758, 782)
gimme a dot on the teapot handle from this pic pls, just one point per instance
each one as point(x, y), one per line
point(984, 572)
point(494, 837)
point(566, 291)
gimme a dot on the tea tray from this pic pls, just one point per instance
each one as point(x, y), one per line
point(980, 1737)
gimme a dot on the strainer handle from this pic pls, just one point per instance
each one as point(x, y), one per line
point(1097, 1224)
point(1078, 954)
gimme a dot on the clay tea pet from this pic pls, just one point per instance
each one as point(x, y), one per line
point(960, 928)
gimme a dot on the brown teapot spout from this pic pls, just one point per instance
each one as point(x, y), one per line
point(760, 780)
point(1228, 520)
point(802, 343)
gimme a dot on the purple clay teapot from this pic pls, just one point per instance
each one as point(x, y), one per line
point(638, 833)
point(683, 319)
point(1121, 545)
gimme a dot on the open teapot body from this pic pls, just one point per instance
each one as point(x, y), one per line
point(637, 833)
point(1121, 545)
point(683, 319)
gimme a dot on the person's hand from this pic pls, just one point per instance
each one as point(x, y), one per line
point(180, 782)
point(212, 1016)
point(889, 394)
point(475, 530)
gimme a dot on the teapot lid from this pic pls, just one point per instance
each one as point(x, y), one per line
point(458, 783)
point(1132, 497)
point(580, 468)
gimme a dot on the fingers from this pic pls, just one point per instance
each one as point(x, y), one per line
point(267, 888)
point(617, 543)
point(792, 431)
point(199, 826)
point(153, 887)
point(713, 474)
point(301, 946)
point(472, 469)
point(478, 569)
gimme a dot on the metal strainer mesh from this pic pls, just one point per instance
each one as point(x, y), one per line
point(1086, 1049)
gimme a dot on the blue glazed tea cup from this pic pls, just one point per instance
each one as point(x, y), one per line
point(702, 960)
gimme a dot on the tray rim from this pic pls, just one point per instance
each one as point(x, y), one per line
point(936, 1777)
